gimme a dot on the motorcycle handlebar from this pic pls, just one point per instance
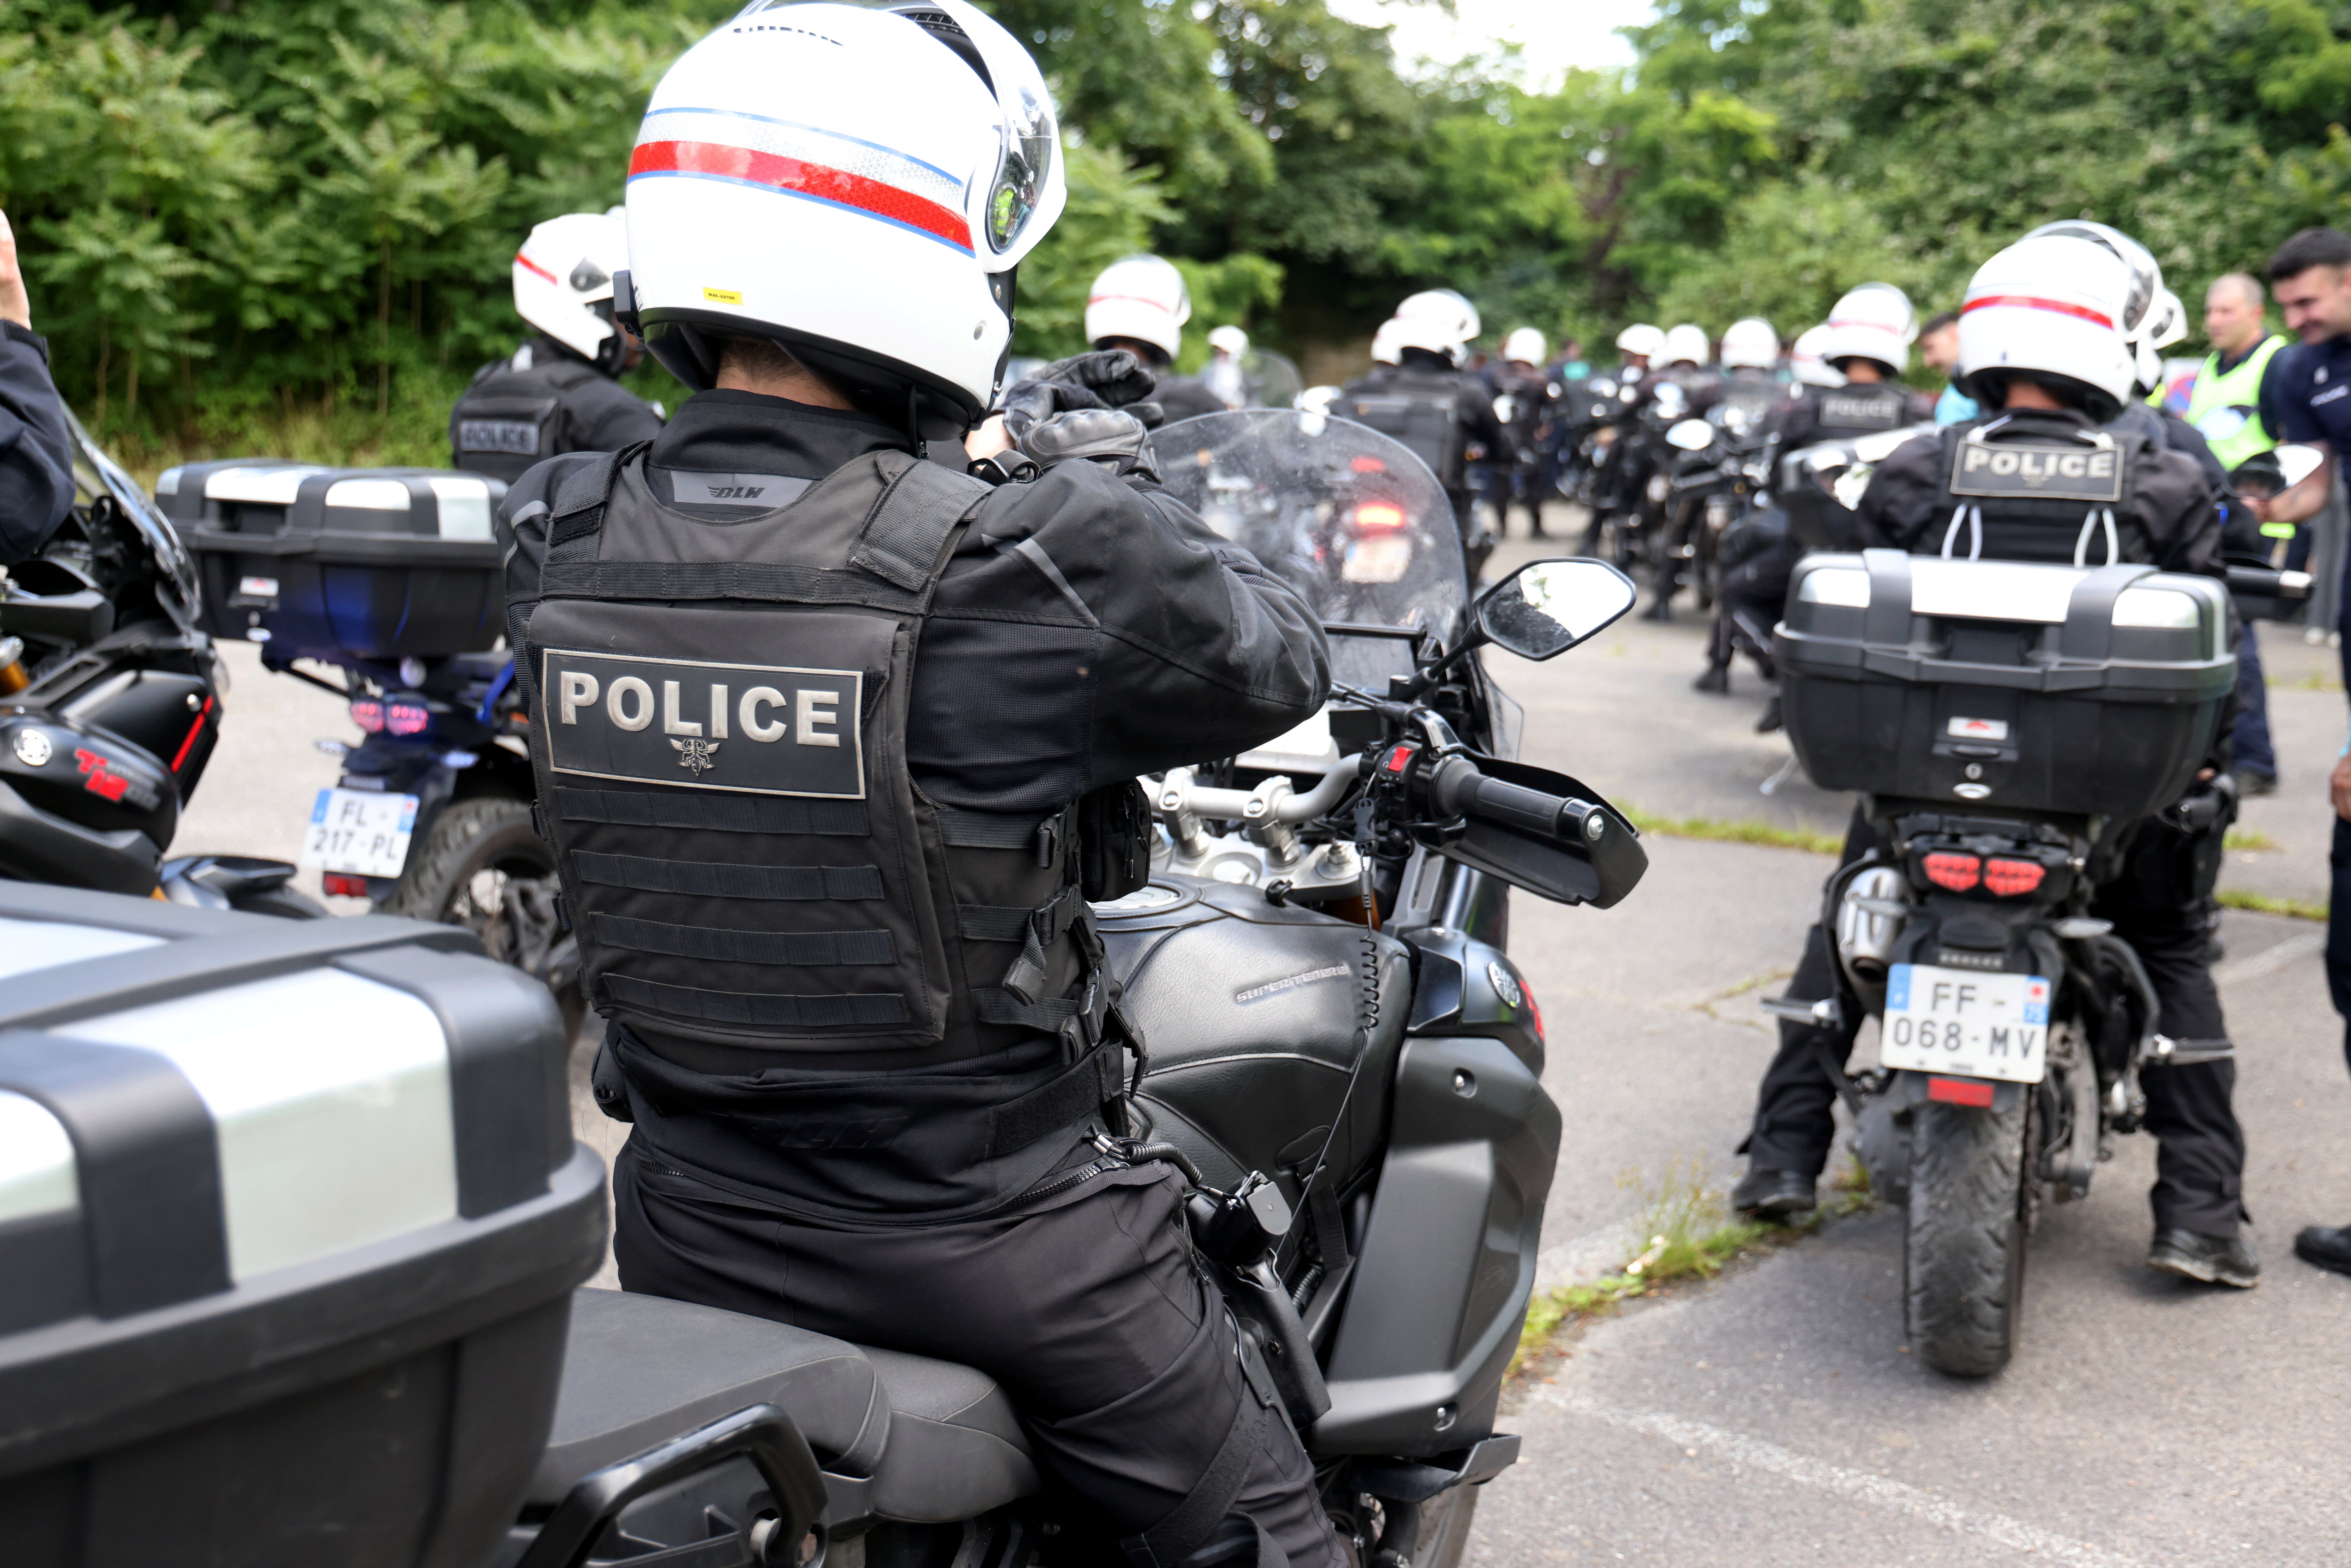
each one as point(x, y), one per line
point(2263, 581)
point(1458, 789)
point(1176, 793)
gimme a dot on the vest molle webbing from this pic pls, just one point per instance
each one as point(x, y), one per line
point(719, 721)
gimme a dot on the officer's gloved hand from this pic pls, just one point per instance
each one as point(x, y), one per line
point(1110, 378)
point(1112, 437)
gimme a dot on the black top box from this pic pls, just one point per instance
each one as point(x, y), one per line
point(289, 1218)
point(371, 563)
point(2082, 691)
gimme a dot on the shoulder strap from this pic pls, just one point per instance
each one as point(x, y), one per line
point(904, 541)
point(578, 509)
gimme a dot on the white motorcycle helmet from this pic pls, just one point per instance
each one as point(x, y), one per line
point(1804, 360)
point(1685, 344)
point(1872, 322)
point(1384, 343)
point(1229, 340)
point(1750, 344)
point(2146, 276)
point(1142, 297)
point(2052, 305)
point(1437, 320)
point(1642, 339)
point(2166, 324)
point(1524, 346)
point(855, 181)
point(563, 282)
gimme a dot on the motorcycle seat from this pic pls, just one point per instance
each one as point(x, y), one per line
point(934, 1440)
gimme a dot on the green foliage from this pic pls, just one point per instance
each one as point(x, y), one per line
point(293, 209)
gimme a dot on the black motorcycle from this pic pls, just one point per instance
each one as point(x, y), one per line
point(2008, 727)
point(110, 707)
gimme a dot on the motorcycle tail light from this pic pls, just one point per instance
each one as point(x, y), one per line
point(368, 714)
point(1958, 873)
point(407, 718)
point(337, 886)
point(2009, 878)
point(1972, 1091)
point(1367, 465)
point(1378, 517)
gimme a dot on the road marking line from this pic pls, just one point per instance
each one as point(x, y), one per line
point(2269, 960)
point(1861, 1486)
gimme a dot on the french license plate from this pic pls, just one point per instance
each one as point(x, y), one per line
point(1966, 1023)
point(360, 833)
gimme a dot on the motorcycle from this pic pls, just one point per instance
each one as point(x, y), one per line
point(110, 705)
point(2009, 727)
point(1720, 464)
point(384, 587)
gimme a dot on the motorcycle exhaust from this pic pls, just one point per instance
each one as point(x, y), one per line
point(1869, 918)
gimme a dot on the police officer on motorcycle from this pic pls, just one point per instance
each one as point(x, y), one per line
point(836, 719)
point(557, 392)
point(1523, 395)
point(36, 484)
point(1430, 405)
point(1750, 546)
point(2042, 351)
point(1140, 303)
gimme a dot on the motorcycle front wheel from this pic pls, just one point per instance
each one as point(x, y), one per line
point(1445, 1528)
point(482, 866)
point(1963, 1254)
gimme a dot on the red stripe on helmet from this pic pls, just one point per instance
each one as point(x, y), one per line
point(524, 261)
point(2033, 302)
point(836, 185)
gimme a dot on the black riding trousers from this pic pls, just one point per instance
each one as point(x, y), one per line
point(1093, 1312)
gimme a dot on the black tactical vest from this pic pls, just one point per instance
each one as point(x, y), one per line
point(2037, 490)
point(508, 420)
point(1421, 413)
point(1845, 412)
point(718, 719)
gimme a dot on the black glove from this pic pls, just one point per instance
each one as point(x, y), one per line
point(1110, 378)
point(1112, 437)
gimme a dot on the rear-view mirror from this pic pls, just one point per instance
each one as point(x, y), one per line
point(1547, 607)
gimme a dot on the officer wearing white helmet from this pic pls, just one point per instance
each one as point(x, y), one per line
point(557, 393)
point(1524, 393)
point(1866, 340)
point(1224, 375)
point(1638, 344)
point(2042, 350)
point(836, 716)
point(1140, 303)
point(1424, 400)
point(1804, 361)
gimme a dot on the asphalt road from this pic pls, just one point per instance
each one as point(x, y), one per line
point(1773, 1418)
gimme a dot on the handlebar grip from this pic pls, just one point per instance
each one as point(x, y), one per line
point(1457, 789)
point(2263, 581)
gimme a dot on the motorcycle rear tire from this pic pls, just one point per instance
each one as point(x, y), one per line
point(490, 833)
point(1963, 1256)
point(1445, 1525)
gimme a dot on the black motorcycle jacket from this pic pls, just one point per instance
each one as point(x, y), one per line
point(36, 486)
point(544, 401)
point(1182, 397)
point(2044, 485)
point(1430, 408)
point(1813, 415)
point(811, 718)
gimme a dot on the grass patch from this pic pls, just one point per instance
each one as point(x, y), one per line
point(2245, 839)
point(2263, 904)
point(2316, 681)
point(1717, 830)
point(1691, 1236)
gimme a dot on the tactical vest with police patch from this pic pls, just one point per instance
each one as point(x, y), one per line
point(719, 725)
point(1421, 413)
point(509, 419)
point(2038, 490)
point(1844, 413)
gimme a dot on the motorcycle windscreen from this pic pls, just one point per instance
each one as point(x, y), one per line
point(1596, 873)
point(1348, 517)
